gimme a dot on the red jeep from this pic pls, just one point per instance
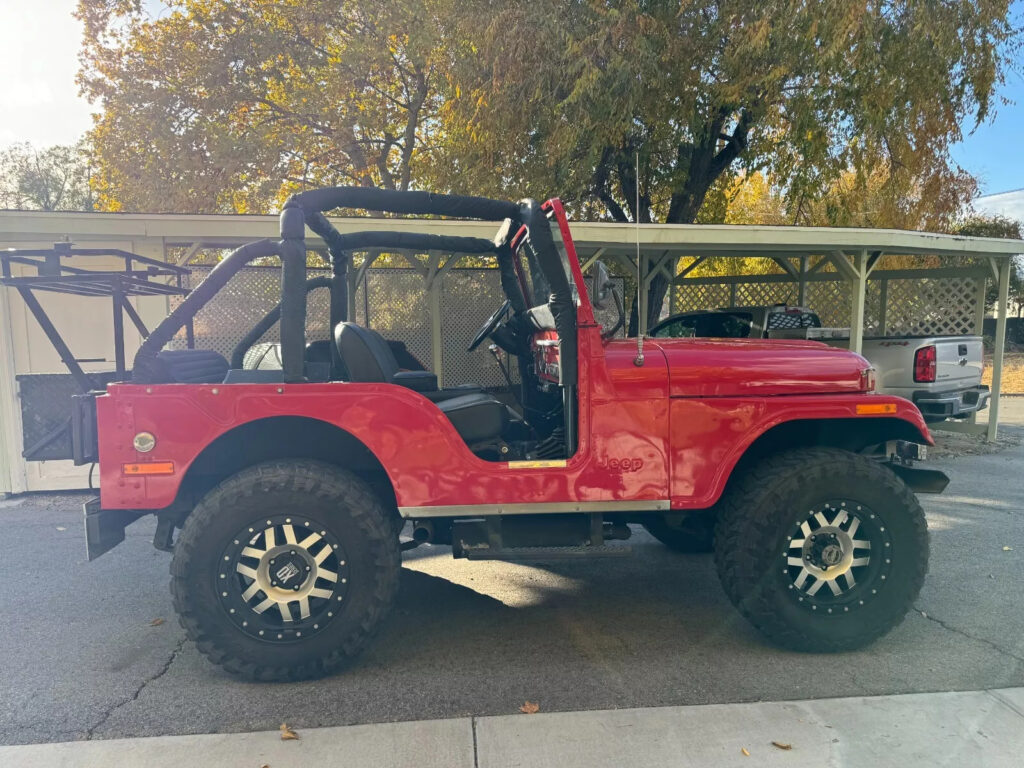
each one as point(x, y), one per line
point(290, 486)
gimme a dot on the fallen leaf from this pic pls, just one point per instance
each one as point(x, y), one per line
point(61, 528)
point(156, 622)
point(1007, 549)
point(780, 745)
point(529, 708)
point(744, 751)
point(287, 734)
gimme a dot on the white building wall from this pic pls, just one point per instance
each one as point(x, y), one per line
point(86, 325)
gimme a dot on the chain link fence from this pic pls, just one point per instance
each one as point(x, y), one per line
point(391, 301)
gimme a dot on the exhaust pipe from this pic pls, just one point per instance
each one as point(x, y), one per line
point(423, 531)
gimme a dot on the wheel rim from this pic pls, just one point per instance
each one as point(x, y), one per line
point(837, 557)
point(283, 579)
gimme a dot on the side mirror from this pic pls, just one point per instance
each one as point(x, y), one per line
point(600, 285)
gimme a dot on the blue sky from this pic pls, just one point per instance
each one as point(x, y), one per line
point(994, 152)
point(40, 102)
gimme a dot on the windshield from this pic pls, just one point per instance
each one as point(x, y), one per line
point(720, 325)
point(532, 280)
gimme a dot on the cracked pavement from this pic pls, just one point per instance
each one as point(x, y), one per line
point(81, 659)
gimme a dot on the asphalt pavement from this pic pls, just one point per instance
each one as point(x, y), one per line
point(86, 656)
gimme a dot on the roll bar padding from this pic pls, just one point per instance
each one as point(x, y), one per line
point(144, 368)
point(397, 201)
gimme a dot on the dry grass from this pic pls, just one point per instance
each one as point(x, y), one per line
point(1013, 373)
point(949, 444)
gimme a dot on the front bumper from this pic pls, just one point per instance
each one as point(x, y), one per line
point(957, 404)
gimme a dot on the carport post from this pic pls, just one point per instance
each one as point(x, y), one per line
point(801, 298)
point(12, 468)
point(641, 313)
point(436, 357)
point(859, 286)
point(1002, 306)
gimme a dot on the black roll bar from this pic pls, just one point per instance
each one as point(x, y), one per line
point(267, 322)
point(144, 368)
point(395, 201)
point(307, 208)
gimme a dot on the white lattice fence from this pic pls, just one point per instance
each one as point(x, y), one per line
point(758, 294)
point(701, 296)
point(914, 306)
point(925, 307)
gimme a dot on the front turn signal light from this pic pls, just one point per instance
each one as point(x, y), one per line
point(874, 409)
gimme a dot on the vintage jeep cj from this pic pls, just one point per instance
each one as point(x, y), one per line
point(290, 486)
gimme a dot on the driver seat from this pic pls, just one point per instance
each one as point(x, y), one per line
point(367, 357)
point(477, 416)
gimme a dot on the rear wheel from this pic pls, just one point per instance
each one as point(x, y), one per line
point(821, 549)
point(684, 532)
point(285, 570)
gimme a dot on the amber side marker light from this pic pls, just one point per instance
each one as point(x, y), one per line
point(149, 468)
point(875, 408)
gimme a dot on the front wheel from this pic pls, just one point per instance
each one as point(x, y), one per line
point(285, 570)
point(821, 549)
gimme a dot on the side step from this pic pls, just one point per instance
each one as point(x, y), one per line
point(531, 538)
point(543, 554)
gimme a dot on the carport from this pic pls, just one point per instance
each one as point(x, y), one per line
point(877, 282)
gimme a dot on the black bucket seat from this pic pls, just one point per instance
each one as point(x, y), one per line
point(477, 416)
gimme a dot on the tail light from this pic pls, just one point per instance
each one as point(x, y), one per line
point(924, 364)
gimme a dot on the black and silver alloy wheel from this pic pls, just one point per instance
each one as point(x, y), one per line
point(821, 549)
point(835, 557)
point(283, 579)
point(285, 570)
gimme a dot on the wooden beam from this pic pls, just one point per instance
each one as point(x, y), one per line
point(999, 347)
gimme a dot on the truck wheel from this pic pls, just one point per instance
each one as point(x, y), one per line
point(821, 549)
point(285, 570)
point(690, 532)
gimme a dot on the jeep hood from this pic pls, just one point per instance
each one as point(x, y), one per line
point(758, 368)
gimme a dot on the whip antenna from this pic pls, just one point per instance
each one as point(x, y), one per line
point(639, 359)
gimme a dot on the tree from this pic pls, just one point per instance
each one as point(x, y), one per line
point(635, 109)
point(221, 106)
point(52, 179)
point(978, 225)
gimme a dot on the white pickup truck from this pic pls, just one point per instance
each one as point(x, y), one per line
point(940, 374)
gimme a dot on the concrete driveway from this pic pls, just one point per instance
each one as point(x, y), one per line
point(81, 659)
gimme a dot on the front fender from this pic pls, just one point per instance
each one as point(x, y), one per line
point(710, 436)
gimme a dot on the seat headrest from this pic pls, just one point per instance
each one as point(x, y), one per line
point(366, 355)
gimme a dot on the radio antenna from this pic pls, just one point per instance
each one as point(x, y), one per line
point(639, 359)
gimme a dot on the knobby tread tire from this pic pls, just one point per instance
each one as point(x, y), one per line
point(348, 504)
point(756, 515)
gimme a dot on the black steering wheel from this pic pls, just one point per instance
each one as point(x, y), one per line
point(488, 327)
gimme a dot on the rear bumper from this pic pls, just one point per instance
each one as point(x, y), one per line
point(104, 528)
point(956, 404)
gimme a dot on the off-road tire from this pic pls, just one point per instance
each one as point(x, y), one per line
point(336, 500)
point(695, 534)
point(765, 504)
